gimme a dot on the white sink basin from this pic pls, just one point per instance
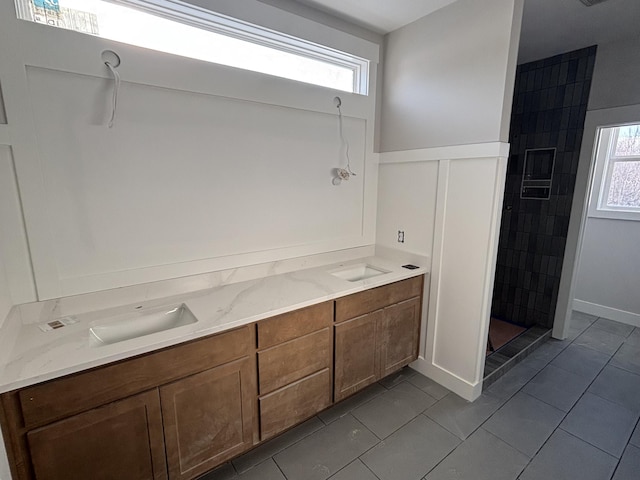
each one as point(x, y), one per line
point(358, 272)
point(139, 325)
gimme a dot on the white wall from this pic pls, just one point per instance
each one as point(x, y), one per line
point(448, 77)
point(615, 77)
point(609, 261)
point(447, 200)
point(448, 83)
point(5, 294)
point(207, 168)
point(411, 209)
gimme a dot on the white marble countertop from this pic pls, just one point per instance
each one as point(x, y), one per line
point(32, 356)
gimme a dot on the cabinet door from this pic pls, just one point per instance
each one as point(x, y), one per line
point(208, 417)
point(356, 355)
point(399, 336)
point(121, 440)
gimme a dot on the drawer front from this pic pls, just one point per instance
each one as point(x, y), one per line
point(73, 394)
point(290, 361)
point(371, 300)
point(294, 403)
point(288, 326)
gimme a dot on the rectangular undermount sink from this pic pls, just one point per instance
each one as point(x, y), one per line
point(141, 324)
point(358, 272)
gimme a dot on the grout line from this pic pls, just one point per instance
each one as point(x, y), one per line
point(278, 467)
point(589, 443)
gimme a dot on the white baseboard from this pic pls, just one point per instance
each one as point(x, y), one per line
point(622, 316)
point(446, 379)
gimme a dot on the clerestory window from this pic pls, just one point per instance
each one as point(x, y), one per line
point(178, 28)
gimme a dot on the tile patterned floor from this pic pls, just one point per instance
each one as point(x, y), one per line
point(569, 411)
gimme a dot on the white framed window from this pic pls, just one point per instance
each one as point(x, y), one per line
point(617, 176)
point(178, 28)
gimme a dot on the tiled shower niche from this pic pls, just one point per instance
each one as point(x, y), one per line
point(549, 109)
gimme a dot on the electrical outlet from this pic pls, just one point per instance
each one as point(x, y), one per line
point(400, 236)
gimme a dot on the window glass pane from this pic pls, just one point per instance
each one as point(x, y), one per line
point(128, 25)
point(628, 143)
point(624, 190)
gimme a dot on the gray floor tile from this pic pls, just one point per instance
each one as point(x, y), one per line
point(354, 471)
point(629, 466)
point(634, 338)
point(635, 438)
point(569, 458)
point(579, 324)
point(627, 358)
point(557, 387)
point(389, 411)
point(619, 386)
point(512, 381)
point(326, 451)
point(398, 377)
point(583, 317)
point(412, 451)
point(601, 423)
point(267, 470)
point(544, 354)
point(482, 457)
point(223, 472)
point(600, 340)
point(276, 445)
point(429, 386)
point(613, 327)
point(525, 423)
point(582, 361)
point(460, 417)
point(347, 405)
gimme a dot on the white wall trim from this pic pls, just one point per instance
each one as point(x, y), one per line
point(491, 263)
point(5, 135)
point(622, 316)
point(453, 152)
point(448, 379)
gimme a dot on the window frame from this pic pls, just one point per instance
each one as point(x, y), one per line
point(605, 160)
point(201, 18)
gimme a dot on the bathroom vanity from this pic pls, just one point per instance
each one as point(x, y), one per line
point(178, 412)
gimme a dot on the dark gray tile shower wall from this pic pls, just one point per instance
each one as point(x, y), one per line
point(549, 109)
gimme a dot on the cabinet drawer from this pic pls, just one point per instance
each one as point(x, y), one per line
point(377, 298)
point(288, 326)
point(294, 403)
point(290, 361)
point(73, 394)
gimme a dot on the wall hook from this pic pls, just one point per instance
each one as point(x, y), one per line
point(112, 61)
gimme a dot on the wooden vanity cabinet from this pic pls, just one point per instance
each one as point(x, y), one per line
point(175, 413)
point(179, 412)
point(295, 367)
point(376, 333)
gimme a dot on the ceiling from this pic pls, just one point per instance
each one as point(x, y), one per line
point(549, 27)
point(382, 16)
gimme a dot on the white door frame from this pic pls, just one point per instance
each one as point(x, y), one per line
point(595, 120)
